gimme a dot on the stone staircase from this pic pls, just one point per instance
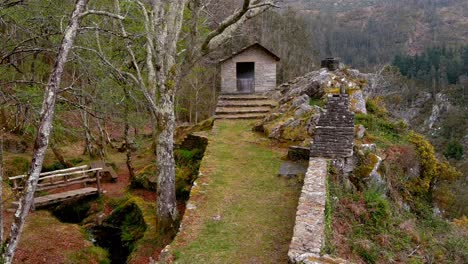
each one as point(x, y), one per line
point(243, 106)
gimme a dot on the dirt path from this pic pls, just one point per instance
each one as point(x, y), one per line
point(244, 212)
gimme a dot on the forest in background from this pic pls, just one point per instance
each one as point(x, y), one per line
point(364, 34)
point(423, 39)
point(98, 106)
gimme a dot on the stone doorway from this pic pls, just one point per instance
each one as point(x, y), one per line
point(245, 72)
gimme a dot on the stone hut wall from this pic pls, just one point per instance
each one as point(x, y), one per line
point(265, 70)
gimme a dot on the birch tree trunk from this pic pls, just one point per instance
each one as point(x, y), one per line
point(166, 201)
point(166, 76)
point(128, 147)
point(43, 132)
point(1, 186)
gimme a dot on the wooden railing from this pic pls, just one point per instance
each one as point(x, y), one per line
point(61, 178)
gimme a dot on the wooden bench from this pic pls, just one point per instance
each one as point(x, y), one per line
point(59, 179)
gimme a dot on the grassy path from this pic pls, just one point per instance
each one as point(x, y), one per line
point(245, 213)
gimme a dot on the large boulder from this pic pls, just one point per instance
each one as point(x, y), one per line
point(358, 102)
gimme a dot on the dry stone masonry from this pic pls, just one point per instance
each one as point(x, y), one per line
point(334, 134)
point(333, 140)
point(309, 228)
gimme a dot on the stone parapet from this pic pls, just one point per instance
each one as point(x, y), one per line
point(309, 228)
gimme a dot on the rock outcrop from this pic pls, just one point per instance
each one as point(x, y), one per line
point(441, 106)
point(300, 102)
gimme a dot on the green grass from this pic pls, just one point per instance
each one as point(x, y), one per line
point(316, 101)
point(381, 130)
point(91, 254)
point(327, 245)
point(257, 208)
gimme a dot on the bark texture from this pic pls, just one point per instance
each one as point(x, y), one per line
point(165, 86)
point(1, 186)
point(43, 133)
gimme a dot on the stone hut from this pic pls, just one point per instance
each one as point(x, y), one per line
point(250, 70)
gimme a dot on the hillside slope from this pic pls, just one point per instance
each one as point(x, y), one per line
point(394, 201)
point(352, 28)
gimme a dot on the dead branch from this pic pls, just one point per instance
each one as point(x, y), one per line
point(101, 13)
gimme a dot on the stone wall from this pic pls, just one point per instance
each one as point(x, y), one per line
point(309, 230)
point(334, 135)
point(265, 70)
point(334, 139)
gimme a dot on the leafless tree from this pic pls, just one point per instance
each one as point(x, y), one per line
point(43, 133)
point(163, 21)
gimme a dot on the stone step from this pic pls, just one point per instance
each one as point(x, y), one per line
point(242, 110)
point(248, 103)
point(236, 97)
point(240, 116)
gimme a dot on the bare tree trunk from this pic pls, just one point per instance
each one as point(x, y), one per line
point(1, 186)
point(166, 201)
point(128, 150)
point(128, 147)
point(43, 132)
point(197, 90)
point(166, 85)
point(102, 140)
point(89, 148)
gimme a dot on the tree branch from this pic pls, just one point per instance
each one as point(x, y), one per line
point(101, 13)
point(231, 23)
point(81, 29)
point(25, 50)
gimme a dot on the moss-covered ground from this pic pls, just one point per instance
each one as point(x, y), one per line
point(244, 212)
point(43, 241)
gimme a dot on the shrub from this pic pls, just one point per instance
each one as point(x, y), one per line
point(367, 251)
point(454, 150)
point(183, 182)
point(446, 172)
point(428, 162)
point(188, 157)
point(376, 106)
point(378, 208)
